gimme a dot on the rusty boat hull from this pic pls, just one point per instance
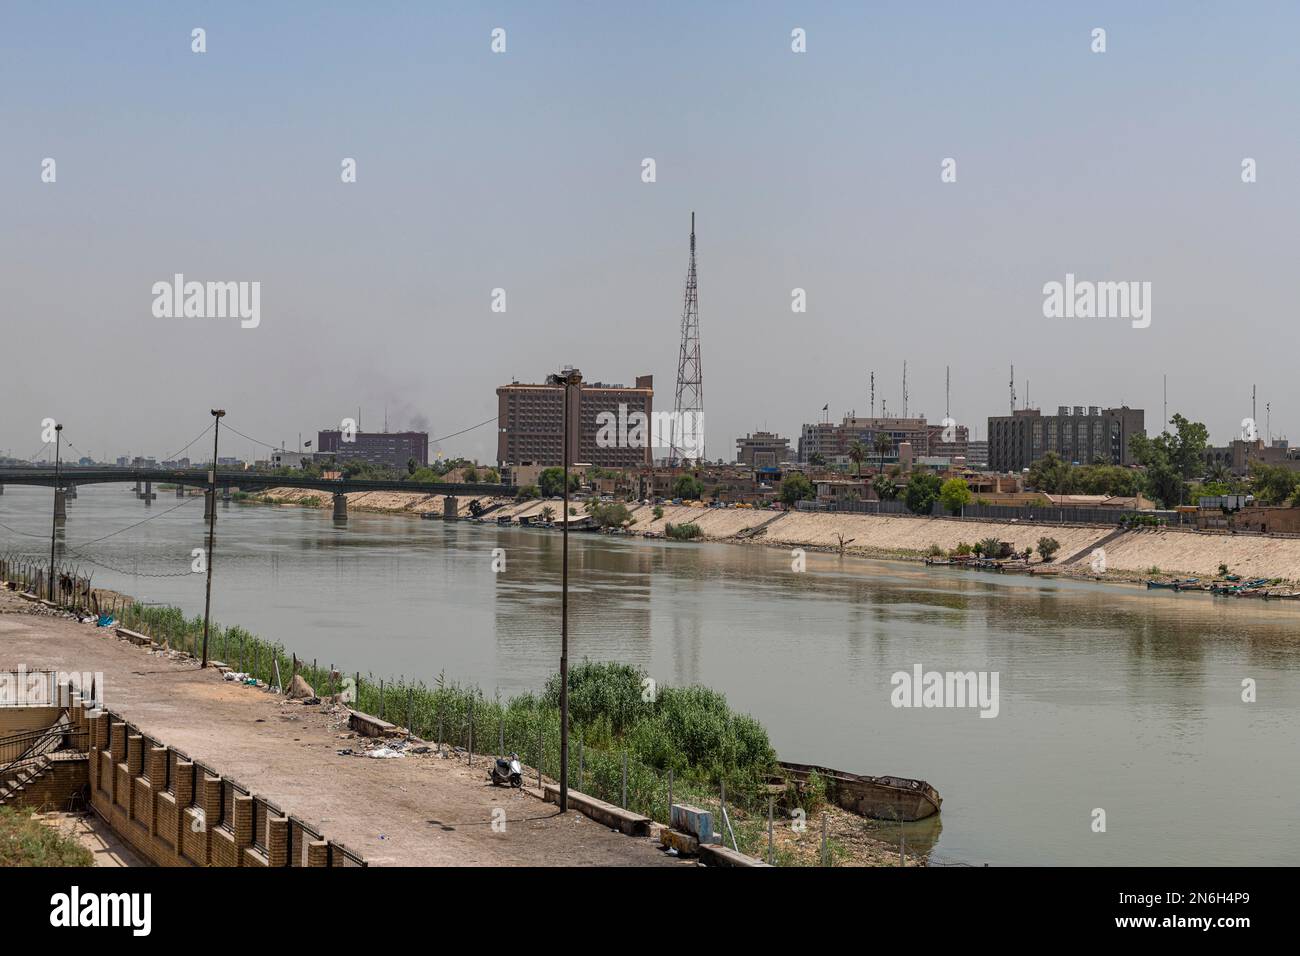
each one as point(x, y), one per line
point(880, 798)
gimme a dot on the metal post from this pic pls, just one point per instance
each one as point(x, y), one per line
point(212, 528)
point(770, 836)
point(563, 624)
point(54, 522)
point(471, 731)
point(501, 736)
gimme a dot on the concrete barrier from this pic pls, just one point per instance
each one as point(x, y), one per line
point(616, 818)
point(368, 725)
point(713, 855)
point(135, 637)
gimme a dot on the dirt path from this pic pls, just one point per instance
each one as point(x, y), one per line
point(413, 811)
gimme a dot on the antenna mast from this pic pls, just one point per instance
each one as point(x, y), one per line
point(690, 378)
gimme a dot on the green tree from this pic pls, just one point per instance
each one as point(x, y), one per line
point(857, 454)
point(794, 488)
point(551, 482)
point(884, 487)
point(528, 492)
point(1170, 459)
point(547, 514)
point(922, 492)
point(1048, 547)
point(954, 495)
point(884, 444)
point(687, 487)
point(817, 460)
point(1272, 484)
point(1051, 474)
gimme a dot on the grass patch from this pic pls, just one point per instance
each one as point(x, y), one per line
point(25, 841)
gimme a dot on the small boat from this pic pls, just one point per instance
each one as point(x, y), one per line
point(503, 521)
point(880, 798)
point(1163, 585)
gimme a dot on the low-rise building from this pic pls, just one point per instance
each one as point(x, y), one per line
point(762, 450)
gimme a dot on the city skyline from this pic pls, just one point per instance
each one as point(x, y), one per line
point(366, 287)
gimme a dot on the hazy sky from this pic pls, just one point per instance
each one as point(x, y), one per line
point(522, 171)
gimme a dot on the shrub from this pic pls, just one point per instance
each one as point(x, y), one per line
point(683, 532)
point(1048, 547)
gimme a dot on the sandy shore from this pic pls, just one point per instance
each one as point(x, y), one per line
point(1130, 555)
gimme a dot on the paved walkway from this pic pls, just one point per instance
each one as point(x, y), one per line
point(414, 811)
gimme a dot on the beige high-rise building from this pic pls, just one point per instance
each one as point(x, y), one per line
point(530, 423)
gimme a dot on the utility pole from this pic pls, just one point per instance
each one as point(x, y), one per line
point(873, 394)
point(904, 389)
point(212, 527)
point(1013, 388)
point(54, 521)
point(947, 391)
point(569, 378)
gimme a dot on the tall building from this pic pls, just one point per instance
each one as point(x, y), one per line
point(762, 450)
point(391, 449)
point(530, 423)
point(1079, 434)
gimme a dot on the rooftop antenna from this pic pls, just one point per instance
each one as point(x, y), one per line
point(905, 389)
point(1013, 388)
point(1253, 416)
point(873, 394)
point(1026, 393)
point(947, 391)
point(1268, 422)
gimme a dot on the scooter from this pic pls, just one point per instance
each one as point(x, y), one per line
point(508, 771)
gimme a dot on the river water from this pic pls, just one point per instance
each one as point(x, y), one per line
point(1110, 698)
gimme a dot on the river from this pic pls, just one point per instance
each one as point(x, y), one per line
point(1110, 697)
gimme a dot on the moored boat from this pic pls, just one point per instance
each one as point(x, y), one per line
point(880, 798)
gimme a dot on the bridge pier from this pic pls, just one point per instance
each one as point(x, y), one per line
point(71, 490)
point(225, 495)
point(340, 507)
point(60, 505)
point(208, 508)
point(180, 491)
point(450, 508)
point(2, 489)
point(148, 495)
point(137, 487)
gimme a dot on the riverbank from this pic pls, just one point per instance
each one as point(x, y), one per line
point(1130, 556)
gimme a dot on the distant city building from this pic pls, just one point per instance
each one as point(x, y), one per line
point(289, 459)
point(977, 454)
point(1081, 435)
point(388, 449)
point(530, 423)
point(1237, 455)
point(762, 450)
point(833, 440)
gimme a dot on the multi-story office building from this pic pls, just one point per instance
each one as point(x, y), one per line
point(832, 440)
point(1079, 434)
point(530, 423)
point(762, 450)
point(391, 449)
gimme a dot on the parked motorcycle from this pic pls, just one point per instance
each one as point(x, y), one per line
point(508, 771)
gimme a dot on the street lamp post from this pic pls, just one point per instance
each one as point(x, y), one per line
point(212, 527)
point(569, 378)
point(54, 521)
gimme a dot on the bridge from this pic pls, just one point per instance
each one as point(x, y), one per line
point(67, 479)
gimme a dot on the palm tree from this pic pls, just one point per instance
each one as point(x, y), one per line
point(548, 514)
point(884, 445)
point(857, 454)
